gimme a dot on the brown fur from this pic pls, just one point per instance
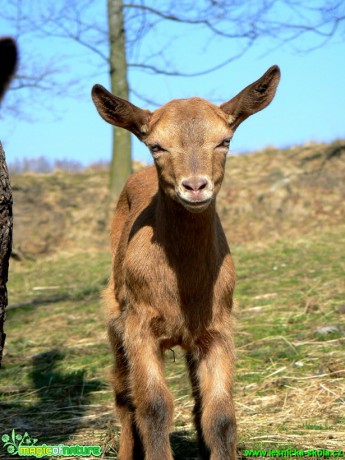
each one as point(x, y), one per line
point(173, 276)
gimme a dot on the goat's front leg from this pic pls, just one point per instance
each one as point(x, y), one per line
point(130, 442)
point(151, 397)
point(211, 374)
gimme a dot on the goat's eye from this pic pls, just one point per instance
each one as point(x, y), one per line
point(155, 148)
point(225, 143)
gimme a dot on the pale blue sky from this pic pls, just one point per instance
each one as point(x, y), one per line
point(309, 105)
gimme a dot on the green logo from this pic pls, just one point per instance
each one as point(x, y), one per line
point(23, 445)
point(14, 441)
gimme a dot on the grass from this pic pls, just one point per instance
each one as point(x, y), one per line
point(290, 372)
point(291, 343)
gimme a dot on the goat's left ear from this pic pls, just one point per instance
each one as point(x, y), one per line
point(253, 98)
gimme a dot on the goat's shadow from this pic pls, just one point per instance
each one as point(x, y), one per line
point(63, 398)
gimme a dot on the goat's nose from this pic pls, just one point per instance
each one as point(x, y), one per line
point(195, 183)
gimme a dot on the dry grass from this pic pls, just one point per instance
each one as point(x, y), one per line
point(290, 372)
point(290, 376)
point(265, 195)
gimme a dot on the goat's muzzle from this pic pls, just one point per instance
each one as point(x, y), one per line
point(195, 193)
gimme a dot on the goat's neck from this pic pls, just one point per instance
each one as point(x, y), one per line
point(184, 231)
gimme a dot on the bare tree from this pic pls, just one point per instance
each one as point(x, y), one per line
point(121, 164)
point(135, 39)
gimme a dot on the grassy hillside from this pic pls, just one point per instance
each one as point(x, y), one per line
point(264, 196)
point(284, 215)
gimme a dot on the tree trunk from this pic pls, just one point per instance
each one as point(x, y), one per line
point(121, 163)
point(6, 222)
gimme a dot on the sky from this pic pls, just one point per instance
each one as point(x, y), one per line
point(309, 105)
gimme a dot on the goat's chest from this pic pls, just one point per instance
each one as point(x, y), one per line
point(178, 290)
point(151, 277)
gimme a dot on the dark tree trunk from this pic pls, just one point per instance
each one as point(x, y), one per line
point(6, 223)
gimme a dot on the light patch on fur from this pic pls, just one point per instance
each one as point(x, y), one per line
point(144, 129)
point(231, 119)
point(154, 376)
point(218, 386)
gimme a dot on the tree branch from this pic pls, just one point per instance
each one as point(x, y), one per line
point(174, 73)
point(205, 22)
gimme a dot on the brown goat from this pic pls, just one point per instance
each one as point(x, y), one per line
point(173, 276)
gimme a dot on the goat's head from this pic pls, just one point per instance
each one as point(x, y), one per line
point(8, 62)
point(189, 138)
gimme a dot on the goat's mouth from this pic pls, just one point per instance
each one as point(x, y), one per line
point(195, 206)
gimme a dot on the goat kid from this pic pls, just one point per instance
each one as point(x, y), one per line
point(173, 277)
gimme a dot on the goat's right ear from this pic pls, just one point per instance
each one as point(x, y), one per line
point(120, 112)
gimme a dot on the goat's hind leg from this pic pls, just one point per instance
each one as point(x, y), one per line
point(130, 443)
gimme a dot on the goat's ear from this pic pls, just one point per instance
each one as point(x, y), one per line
point(8, 62)
point(120, 112)
point(253, 98)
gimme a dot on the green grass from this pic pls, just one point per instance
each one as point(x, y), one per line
point(290, 377)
